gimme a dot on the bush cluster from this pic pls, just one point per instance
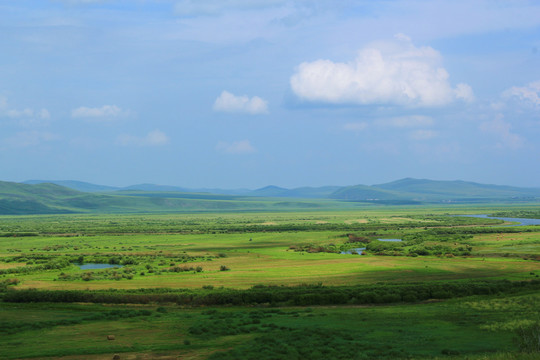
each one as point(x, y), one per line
point(304, 295)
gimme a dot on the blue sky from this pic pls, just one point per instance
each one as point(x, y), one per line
point(237, 93)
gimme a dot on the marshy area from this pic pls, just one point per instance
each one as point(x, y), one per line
point(261, 285)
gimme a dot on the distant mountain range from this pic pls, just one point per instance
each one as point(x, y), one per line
point(268, 191)
point(67, 196)
point(422, 190)
point(88, 187)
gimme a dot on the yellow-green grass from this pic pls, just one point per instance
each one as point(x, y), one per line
point(245, 273)
point(98, 223)
point(258, 257)
point(508, 243)
point(267, 259)
point(10, 265)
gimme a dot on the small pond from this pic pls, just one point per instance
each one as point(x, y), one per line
point(356, 250)
point(360, 251)
point(521, 221)
point(97, 266)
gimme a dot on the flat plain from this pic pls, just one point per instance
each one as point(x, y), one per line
point(222, 256)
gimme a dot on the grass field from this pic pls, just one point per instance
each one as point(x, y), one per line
point(243, 250)
point(473, 326)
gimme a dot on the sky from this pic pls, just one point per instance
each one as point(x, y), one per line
point(245, 93)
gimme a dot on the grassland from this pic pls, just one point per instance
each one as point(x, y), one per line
point(214, 252)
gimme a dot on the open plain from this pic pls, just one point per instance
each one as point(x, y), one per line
point(274, 284)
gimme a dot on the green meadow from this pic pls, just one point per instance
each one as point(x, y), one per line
point(276, 285)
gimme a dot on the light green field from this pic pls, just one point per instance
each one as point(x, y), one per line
point(254, 249)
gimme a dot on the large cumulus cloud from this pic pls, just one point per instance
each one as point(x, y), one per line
point(395, 72)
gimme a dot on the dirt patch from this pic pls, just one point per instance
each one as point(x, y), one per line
point(358, 221)
point(11, 265)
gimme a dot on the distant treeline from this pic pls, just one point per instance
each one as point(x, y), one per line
point(303, 295)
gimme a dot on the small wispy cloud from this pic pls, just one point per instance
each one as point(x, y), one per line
point(503, 131)
point(23, 114)
point(357, 126)
point(406, 121)
point(464, 92)
point(423, 134)
point(14, 114)
point(44, 114)
point(529, 93)
point(30, 138)
point(236, 147)
point(153, 138)
point(81, 2)
point(194, 8)
point(228, 102)
point(106, 112)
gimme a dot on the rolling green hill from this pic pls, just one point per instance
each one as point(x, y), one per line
point(44, 198)
point(306, 192)
point(424, 190)
point(75, 185)
point(48, 198)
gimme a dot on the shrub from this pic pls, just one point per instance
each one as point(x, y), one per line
point(528, 338)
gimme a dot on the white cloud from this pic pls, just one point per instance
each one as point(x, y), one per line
point(228, 102)
point(30, 138)
point(407, 121)
point(153, 138)
point(44, 114)
point(359, 126)
point(106, 112)
point(502, 130)
point(14, 113)
point(237, 147)
point(6, 111)
point(464, 92)
point(529, 94)
point(394, 72)
point(423, 134)
point(193, 8)
point(82, 2)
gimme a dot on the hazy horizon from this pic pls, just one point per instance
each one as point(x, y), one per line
point(241, 94)
point(261, 187)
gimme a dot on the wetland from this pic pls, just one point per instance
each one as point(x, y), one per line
point(270, 285)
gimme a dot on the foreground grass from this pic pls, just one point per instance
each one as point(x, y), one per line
point(474, 326)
